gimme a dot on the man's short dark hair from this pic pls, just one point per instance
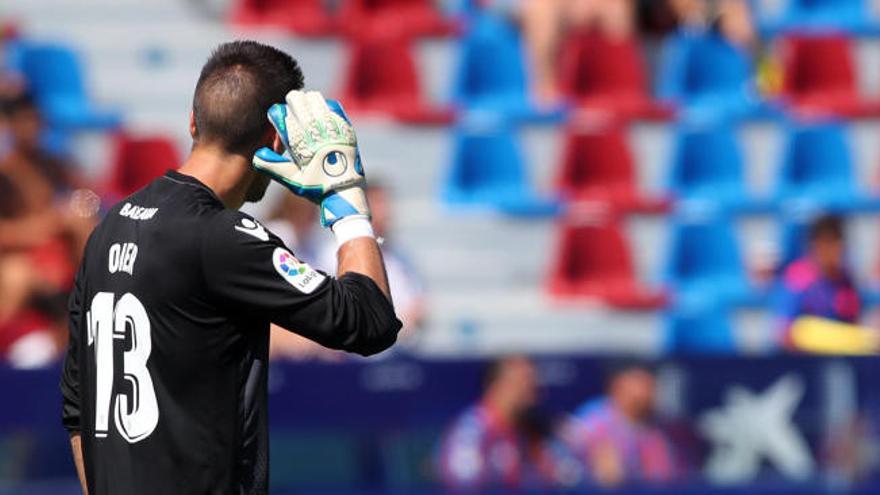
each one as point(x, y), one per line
point(827, 227)
point(238, 84)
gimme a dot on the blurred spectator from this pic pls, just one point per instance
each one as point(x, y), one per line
point(615, 436)
point(296, 222)
point(500, 442)
point(819, 283)
point(547, 22)
point(44, 224)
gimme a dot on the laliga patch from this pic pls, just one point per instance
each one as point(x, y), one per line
point(297, 274)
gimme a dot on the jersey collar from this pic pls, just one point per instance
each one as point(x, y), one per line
point(176, 176)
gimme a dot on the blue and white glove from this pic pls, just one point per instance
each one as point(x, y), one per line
point(324, 165)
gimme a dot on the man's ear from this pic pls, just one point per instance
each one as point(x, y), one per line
point(193, 131)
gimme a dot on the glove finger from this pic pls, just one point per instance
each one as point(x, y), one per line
point(266, 160)
point(317, 106)
point(296, 100)
point(336, 108)
point(279, 118)
point(285, 172)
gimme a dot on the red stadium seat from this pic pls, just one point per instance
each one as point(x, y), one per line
point(382, 79)
point(820, 77)
point(411, 17)
point(594, 262)
point(604, 74)
point(597, 166)
point(304, 17)
point(137, 161)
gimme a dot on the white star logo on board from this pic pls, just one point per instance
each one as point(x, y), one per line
point(751, 427)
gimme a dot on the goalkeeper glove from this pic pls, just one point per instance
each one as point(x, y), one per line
point(324, 165)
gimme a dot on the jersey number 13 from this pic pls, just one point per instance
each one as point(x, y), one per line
point(135, 412)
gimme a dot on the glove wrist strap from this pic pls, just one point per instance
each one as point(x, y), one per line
point(348, 228)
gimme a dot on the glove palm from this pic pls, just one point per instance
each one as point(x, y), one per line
point(324, 165)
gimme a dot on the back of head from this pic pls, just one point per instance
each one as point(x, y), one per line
point(237, 85)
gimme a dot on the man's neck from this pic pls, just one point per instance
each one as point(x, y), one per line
point(227, 175)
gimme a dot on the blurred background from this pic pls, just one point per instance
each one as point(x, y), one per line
point(633, 242)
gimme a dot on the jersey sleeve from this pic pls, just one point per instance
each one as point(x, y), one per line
point(250, 271)
point(70, 387)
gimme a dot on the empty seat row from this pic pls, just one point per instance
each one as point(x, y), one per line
point(705, 169)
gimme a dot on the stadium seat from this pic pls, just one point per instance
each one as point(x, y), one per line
point(54, 75)
point(491, 72)
point(409, 17)
point(707, 167)
point(852, 16)
point(593, 262)
point(794, 237)
point(704, 265)
point(597, 167)
point(819, 76)
point(701, 331)
point(817, 169)
point(303, 17)
point(488, 172)
point(382, 79)
point(137, 161)
point(607, 75)
point(705, 72)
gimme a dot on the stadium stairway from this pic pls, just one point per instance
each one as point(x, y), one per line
point(485, 273)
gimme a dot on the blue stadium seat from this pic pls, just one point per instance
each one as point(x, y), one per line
point(707, 167)
point(825, 15)
point(793, 238)
point(705, 331)
point(492, 71)
point(704, 72)
point(704, 265)
point(817, 170)
point(488, 172)
point(54, 74)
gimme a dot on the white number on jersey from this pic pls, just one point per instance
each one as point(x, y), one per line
point(136, 415)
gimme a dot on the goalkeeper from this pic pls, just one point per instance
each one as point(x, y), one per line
point(164, 382)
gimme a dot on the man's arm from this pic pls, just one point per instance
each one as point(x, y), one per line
point(325, 167)
point(257, 275)
point(355, 312)
point(70, 374)
point(362, 255)
point(76, 448)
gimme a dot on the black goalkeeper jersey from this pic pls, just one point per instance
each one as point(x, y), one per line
point(165, 374)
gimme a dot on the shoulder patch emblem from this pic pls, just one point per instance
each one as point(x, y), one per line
point(295, 272)
point(253, 228)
